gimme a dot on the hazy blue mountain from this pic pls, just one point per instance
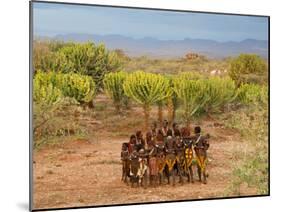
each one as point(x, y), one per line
point(172, 48)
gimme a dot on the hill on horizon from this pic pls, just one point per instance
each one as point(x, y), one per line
point(156, 48)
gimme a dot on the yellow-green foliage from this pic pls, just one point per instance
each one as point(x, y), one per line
point(253, 94)
point(83, 58)
point(172, 101)
point(88, 59)
point(44, 88)
point(192, 94)
point(79, 87)
point(113, 84)
point(146, 89)
point(248, 68)
point(51, 85)
point(189, 75)
point(219, 92)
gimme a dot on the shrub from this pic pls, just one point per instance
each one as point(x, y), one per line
point(219, 92)
point(88, 59)
point(248, 68)
point(79, 87)
point(253, 94)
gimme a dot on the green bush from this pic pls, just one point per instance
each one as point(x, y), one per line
point(79, 87)
point(51, 84)
point(248, 68)
point(219, 92)
point(88, 59)
point(249, 94)
point(45, 90)
point(82, 58)
point(113, 85)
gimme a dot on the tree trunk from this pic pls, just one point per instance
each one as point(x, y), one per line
point(160, 113)
point(117, 107)
point(171, 111)
point(187, 119)
point(146, 110)
point(173, 114)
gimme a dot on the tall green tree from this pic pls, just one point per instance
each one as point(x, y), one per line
point(172, 101)
point(192, 95)
point(146, 89)
point(113, 85)
point(219, 92)
point(88, 59)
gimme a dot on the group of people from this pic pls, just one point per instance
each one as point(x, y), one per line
point(164, 152)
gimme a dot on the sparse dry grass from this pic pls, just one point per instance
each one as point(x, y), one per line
point(174, 66)
point(251, 169)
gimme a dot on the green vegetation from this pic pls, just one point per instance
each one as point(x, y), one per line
point(50, 86)
point(146, 89)
point(252, 168)
point(248, 68)
point(172, 102)
point(220, 92)
point(113, 85)
point(192, 94)
point(55, 93)
point(70, 75)
point(82, 58)
point(253, 94)
point(176, 65)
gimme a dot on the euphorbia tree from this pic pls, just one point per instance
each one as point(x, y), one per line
point(192, 94)
point(172, 101)
point(113, 84)
point(146, 89)
point(220, 92)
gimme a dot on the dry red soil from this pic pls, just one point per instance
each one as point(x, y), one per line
point(88, 172)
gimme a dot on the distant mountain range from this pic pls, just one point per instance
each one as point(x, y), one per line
point(172, 48)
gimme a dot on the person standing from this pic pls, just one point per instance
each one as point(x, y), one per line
point(201, 145)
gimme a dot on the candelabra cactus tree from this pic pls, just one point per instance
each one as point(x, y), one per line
point(146, 89)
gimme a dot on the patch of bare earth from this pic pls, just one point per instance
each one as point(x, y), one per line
point(88, 172)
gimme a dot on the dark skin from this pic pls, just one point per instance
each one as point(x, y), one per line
point(176, 131)
point(150, 143)
point(152, 156)
point(179, 149)
point(160, 151)
point(187, 140)
point(134, 166)
point(188, 147)
point(150, 149)
point(125, 162)
point(132, 143)
point(143, 159)
point(170, 153)
point(201, 146)
point(166, 131)
point(140, 143)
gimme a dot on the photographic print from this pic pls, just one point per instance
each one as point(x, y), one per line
point(138, 105)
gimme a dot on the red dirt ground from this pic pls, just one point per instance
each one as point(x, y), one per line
point(88, 172)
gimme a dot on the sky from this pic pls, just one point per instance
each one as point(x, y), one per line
point(53, 19)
